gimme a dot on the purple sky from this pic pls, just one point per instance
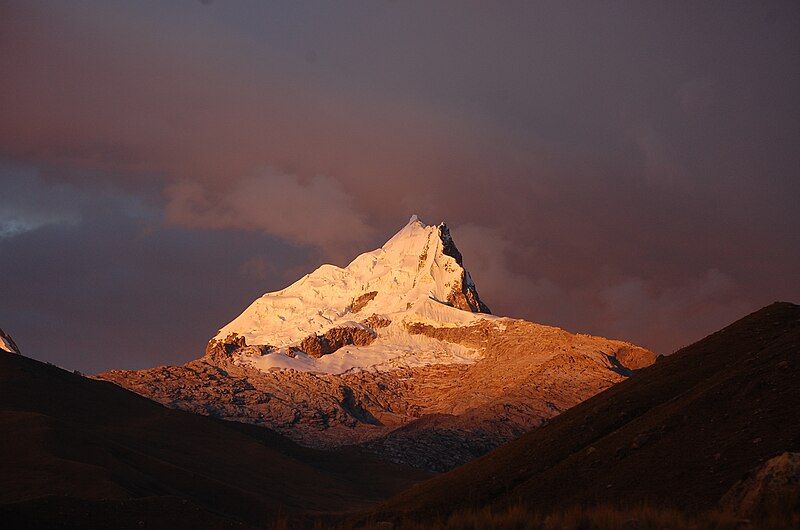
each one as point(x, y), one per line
point(625, 169)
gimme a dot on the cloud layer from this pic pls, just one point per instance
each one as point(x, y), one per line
point(317, 212)
point(625, 170)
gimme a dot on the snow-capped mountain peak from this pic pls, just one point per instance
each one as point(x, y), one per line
point(7, 343)
point(416, 276)
point(394, 353)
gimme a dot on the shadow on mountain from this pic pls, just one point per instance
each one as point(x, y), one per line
point(77, 452)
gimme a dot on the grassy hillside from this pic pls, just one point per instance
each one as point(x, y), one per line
point(679, 433)
point(77, 450)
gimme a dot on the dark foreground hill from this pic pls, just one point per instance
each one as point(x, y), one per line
point(76, 452)
point(680, 433)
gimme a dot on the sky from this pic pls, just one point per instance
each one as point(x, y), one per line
point(627, 169)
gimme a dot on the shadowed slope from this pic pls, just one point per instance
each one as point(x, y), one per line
point(77, 448)
point(679, 433)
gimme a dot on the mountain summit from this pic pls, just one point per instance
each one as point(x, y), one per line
point(396, 352)
point(7, 343)
point(359, 315)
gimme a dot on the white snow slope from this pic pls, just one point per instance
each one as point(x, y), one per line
point(411, 277)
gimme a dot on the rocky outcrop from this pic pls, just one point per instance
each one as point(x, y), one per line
point(335, 338)
point(633, 357)
point(223, 349)
point(7, 343)
point(474, 336)
point(376, 321)
point(448, 246)
point(220, 349)
point(363, 300)
point(770, 489)
point(464, 296)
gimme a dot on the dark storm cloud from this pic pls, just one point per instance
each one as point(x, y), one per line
point(633, 168)
point(110, 286)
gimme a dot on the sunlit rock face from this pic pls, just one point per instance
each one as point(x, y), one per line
point(395, 351)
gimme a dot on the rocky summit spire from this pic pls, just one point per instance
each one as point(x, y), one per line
point(438, 259)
